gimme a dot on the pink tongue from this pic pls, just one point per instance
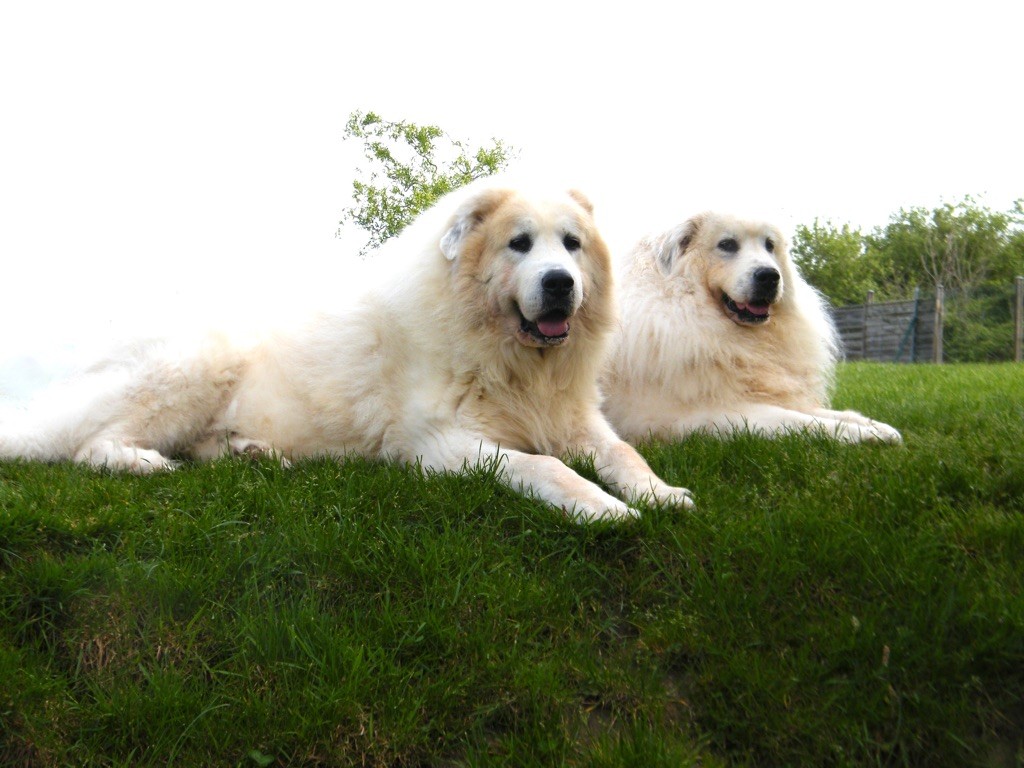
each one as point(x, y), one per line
point(553, 327)
point(755, 309)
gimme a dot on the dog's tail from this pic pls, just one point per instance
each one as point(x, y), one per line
point(19, 440)
point(56, 423)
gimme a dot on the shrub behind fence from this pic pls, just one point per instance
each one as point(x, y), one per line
point(984, 325)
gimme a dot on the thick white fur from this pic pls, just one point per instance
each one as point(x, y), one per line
point(428, 363)
point(682, 363)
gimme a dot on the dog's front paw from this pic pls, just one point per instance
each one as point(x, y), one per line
point(660, 494)
point(868, 432)
point(886, 434)
point(670, 496)
point(604, 507)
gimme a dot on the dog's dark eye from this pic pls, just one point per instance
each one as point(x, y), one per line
point(571, 243)
point(769, 245)
point(521, 243)
point(729, 245)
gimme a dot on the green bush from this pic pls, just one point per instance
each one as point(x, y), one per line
point(979, 328)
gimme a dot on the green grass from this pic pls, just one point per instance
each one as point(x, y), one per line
point(824, 605)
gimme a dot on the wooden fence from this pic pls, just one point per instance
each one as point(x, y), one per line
point(907, 331)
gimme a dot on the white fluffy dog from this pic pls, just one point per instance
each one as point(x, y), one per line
point(480, 338)
point(720, 333)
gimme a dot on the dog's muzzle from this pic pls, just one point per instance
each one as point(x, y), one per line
point(551, 325)
point(763, 293)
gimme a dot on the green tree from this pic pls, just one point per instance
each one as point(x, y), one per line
point(974, 253)
point(835, 261)
point(411, 166)
point(963, 246)
point(1015, 241)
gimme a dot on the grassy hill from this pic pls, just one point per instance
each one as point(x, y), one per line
point(824, 605)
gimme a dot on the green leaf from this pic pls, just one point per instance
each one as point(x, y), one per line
point(260, 759)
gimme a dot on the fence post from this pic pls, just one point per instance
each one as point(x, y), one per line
point(913, 325)
point(913, 333)
point(940, 306)
point(1018, 321)
point(864, 333)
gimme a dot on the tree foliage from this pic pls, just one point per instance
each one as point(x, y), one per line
point(835, 260)
point(410, 166)
point(964, 246)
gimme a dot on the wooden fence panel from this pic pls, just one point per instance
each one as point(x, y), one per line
point(896, 331)
point(913, 330)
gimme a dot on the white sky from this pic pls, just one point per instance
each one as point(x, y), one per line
point(161, 162)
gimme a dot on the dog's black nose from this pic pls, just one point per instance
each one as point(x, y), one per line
point(766, 278)
point(766, 285)
point(557, 282)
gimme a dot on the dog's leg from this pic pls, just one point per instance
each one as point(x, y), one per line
point(772, 421)
point(623, 469)
point(544, 477)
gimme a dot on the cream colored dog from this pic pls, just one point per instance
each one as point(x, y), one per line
point(720, 333)
point(479, 338)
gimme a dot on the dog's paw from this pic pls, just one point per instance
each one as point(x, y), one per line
point(146, 462)
point(660, 494)
point(670, 496)
point(255, 449)
point(118, 456)
point(886, 434)
point(601, 508)
point(868, 432)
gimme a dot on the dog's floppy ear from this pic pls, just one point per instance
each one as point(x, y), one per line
point(467, 218)
point(676, 241)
